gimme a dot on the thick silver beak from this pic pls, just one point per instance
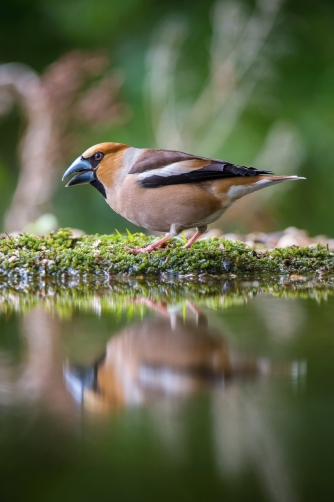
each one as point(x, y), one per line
point(85, 170)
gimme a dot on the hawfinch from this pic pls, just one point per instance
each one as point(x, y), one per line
point(165, 355)
point(166, 190)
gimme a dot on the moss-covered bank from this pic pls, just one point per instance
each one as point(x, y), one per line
point(61, 253)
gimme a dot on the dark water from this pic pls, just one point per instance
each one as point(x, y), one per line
point(216, 390)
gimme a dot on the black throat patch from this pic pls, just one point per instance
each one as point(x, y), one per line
point(98, 185)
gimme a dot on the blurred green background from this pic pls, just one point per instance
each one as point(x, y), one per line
point(249, 82)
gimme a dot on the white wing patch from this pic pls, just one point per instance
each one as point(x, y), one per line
point(177, 168)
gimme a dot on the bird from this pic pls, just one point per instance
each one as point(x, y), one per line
point(166, 190)
point(169, 353)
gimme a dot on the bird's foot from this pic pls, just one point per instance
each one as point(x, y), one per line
point(151, 247)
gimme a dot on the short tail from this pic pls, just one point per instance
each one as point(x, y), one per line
point(243, 186)
point(266, 181)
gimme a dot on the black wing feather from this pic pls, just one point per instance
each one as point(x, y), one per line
point(213, 171)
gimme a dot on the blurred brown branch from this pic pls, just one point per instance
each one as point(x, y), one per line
point(74, 91)
point(38, 378)
point(33, 187)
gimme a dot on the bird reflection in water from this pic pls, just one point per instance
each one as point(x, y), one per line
point(167, 355)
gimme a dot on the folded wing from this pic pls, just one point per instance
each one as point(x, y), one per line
point(155, 168)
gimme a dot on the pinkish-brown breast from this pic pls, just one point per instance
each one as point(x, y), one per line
point(159, 208)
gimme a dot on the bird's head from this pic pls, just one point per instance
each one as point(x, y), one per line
point(98, 166)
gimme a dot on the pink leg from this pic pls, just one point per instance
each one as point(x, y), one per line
point(199, 232)
point(152, 246)
point(192, 240)
point(158, 307)
point(195, 310)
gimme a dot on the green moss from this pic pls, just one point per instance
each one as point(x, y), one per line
point(60, 253)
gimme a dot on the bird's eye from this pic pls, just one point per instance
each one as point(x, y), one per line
point(98, 156)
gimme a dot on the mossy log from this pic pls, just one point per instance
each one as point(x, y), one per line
point(62, 253)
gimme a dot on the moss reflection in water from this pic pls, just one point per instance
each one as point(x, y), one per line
point(65, 294)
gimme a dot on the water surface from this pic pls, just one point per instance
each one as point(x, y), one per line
point(190, 390)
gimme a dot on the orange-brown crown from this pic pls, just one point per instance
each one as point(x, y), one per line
point(105, 148)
